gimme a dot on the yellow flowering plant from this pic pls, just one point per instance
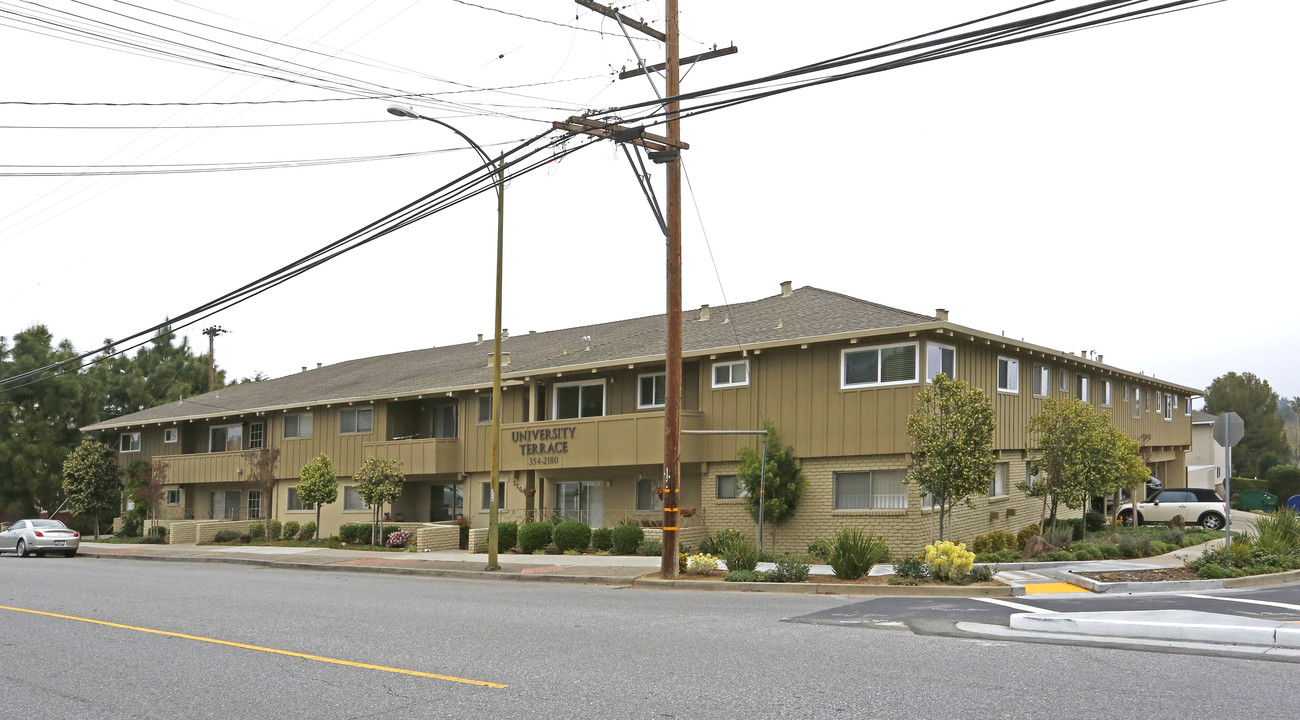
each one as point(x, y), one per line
point(948, 561)
point(701, 564)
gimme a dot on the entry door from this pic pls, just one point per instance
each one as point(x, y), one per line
point(224, 504)
point(445, 502)
point(581, 501)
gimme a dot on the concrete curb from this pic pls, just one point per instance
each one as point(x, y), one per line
point(621, 581)
point(1177, 626)
point(1289, 577)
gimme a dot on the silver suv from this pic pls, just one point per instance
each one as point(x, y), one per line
point(1204, 507)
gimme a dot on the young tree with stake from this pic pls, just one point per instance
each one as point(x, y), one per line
point(952, 443)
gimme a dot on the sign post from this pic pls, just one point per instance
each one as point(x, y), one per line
point(1228, 431)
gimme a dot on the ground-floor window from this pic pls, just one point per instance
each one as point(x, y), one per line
point(254, 504)
point(223, 505)
point(352, 499)
point(728, 488)
point(173, 497)
point(998, 487)
point(646, 497)
point(294, 503)
point(874, 490)
point(446, 502)
point(487, 496)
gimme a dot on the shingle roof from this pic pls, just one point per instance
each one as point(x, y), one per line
point(807, 312)
point(1200, 417)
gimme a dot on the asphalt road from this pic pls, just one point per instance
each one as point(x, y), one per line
point(562, 651)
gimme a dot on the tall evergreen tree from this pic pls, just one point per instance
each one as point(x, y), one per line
point(1253, 399)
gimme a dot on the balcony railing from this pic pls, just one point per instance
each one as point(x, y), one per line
point(222, 467)
point(420, 456)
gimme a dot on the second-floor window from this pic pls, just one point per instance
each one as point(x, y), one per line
point(1081, 389)
point(226, 438)
point(731, 374)
point(581, 399)
point(1136, 410)
point(297, 425)
point(171, 435)
point(1105, 393)
point(1169, 407)
point(1008, 375)
point(875, 366)
point(940, 359)
point(356, 420)
point(1042, 381)
point(444, 419)
point(129, 442)
point(652, 390)
point(256, 436)
point(1187, 406)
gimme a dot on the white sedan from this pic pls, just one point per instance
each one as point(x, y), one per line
point(39, 536)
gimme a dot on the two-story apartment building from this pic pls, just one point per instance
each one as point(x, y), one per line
point(582, 421)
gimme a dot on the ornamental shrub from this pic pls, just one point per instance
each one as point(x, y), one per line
point(948, 561)
point(507, 535)
point(130, 527)
point(740, 553)
point(257, 531)
point(225, 536)
point(701, 564)
point(712, 545)
point(243, 538)
point(1056, 556)
point(1278, 533)
point(911, 568)
point(627, 538)
point(350, 533)
point(994, 542)
point(602, 538)
point(1023, 536)
point(1094, 521)
point(1134, 545)
point(651, 548)
point(1000, 556)
point(820, 549)
point(291, 530)
point(308, 531)
point(273, 531)
point(745, 576)
point(788, 570)
point(1086, 551)
point(535, 536)
point(855, 553)
point(398, 539)
point(158, 531)
point(572, 535)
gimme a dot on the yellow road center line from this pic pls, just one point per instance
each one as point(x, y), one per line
point(244, 646)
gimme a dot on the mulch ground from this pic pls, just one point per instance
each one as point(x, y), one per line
point(1157, 575)
point(822, 579)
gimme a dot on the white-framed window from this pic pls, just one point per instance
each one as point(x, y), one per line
point(1136, 410)
point(484, 409)
point(487, 497)
point(129, 442)
point(652, 390)
point(940, 359)
point(1031, 478)
point(728, 488)
point(646, 497)
point(356, 420)
point(1169, 407)
point(1065, 381)
point(733, 373)
point(171, 435)
point(1042, 381)
point(1187, 406)
point(1160, 403)
point(1001, 472)
point(173, 497)
point(1106, 398)
point(878, 366)
point(1126, 392)
point(874, 490)
point(1146, 401)
point(1082, 389)
point(584, 398)
point(256, 436)
point(225, 438)
point(254, 504)
point(352, 499)
point(297, 425)
point(1008, 375)
point(294, 504)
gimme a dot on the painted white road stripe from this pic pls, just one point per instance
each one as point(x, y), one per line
point(1014, 606)
point(1246, 600)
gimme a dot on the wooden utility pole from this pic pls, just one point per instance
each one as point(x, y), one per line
point(212, 333)
point(673, 401)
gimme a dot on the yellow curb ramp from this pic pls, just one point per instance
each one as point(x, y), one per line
point(1048, 588)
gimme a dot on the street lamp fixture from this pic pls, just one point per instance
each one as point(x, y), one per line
point(495, 485)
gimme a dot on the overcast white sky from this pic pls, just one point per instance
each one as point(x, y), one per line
point(1129, 189)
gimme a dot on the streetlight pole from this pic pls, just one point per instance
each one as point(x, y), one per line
point(494, 486)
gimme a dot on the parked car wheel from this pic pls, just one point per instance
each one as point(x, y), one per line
point(70, 553)
point(21, 550)
point(1212, 521)
point(1126, 518)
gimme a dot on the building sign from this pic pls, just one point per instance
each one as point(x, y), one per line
point(544, 445)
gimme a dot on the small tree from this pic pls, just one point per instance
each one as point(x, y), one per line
point(152, 491)
point(952, 443)
point(784, 485)
point(379, 481)
point(1081, 454)
point(317, 485)
point(261, 477)
point(92, 479)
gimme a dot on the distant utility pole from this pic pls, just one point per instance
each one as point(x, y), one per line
point(664, 151)
point(212, 333)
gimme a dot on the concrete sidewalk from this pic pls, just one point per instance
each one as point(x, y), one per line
point(1171, 625)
